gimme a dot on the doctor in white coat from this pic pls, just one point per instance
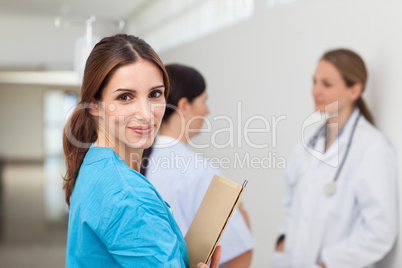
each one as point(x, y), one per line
point(341, 185)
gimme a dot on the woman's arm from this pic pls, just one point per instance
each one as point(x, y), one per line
point(138, 232)
point(244, 214)
point(241, 261)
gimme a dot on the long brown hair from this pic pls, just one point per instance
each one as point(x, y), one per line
point(353, 70)
point(81, 129)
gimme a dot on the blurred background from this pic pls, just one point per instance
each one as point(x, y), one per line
point(258, 57)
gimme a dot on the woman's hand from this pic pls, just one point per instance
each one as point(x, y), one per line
point(281, 245)
point(214, 260)
point(322, 265)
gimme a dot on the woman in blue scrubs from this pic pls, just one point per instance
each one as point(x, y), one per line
point(117, 218)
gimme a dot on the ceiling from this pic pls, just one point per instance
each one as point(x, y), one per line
point(30, 40)
point(79, 9)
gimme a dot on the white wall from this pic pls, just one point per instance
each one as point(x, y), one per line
point(267, 63)
point(21, 122)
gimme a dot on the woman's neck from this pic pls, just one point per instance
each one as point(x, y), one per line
point(335, 124)
point(174, 128)
point(131, 156)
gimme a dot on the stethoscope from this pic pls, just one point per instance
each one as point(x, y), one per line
point(329, 188)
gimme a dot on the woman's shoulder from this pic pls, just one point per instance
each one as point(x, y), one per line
point(371, 137)
point(178, 155)
point(173, 149)
point(107, 182)
point(103, 171)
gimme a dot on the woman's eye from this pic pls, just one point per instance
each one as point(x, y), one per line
point(155, 94)
point(124, 97)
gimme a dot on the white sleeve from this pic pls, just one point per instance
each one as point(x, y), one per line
point(290, 177)
point(374, 233)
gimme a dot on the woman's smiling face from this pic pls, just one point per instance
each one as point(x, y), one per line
point(132, 105)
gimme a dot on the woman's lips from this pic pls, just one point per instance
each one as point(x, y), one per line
point(142, 130)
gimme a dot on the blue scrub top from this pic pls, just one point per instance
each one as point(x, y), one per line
point(118, 219)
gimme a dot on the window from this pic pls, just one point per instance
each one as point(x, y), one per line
point(58, 105)
point(168, 23)
point(275, 3)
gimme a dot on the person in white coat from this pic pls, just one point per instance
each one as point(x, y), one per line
point(181, 176)
point(340, 199)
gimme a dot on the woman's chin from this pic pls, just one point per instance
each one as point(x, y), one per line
point(144, 143)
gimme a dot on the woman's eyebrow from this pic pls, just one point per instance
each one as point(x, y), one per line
point(125, 90)
point(157, 87)
point(133, 91)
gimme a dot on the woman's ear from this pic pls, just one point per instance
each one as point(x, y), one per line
point(183, 105)
point(356, 91)
point(94, 107)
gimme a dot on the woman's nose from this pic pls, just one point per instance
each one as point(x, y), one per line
point(143, 111)
point(207, 111)
point(315, 90)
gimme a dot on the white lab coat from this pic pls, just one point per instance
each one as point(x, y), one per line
point(357, 225)
point(182, 178)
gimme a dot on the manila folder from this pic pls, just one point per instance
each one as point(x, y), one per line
point(211, 219)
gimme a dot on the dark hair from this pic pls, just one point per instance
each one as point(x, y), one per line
point(185, 82)
point(353, 70)
point(81, 129)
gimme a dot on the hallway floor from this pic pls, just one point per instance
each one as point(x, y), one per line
point(27, 239)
